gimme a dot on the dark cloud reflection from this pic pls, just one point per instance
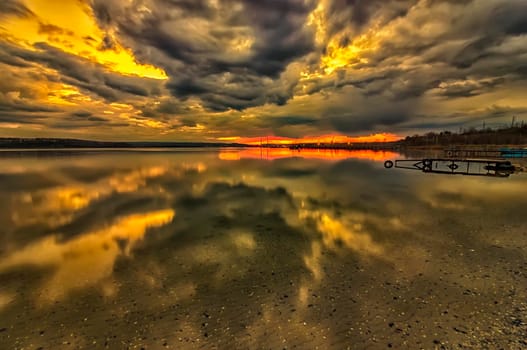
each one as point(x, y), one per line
point(185, 247)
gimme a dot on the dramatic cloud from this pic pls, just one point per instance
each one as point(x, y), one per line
point(216, 69)
point(14, 8)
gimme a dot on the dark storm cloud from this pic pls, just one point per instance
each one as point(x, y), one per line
point(121, 84)
point(281, 37)
point(358, 13)
point(276, 124)
point(503, 111)
point(46, 28)
point(368, 65)
point(509, 18)
point(14, 8)
point(231, 125)
point(84, 115)
point(292, 120)
point(490, 52)
point(469, 88)
point(20, 118)
point(353, 122)
point(165, 110)
point(221, 102)
point(285, 126)
point(450, 49)
point(17, 108)
point(82, 73)
point(473, 45)
point(238, 92)
point(231, 99)
point(393, 84)
point(493, 116)
point(6, 107)
point(23, 111)
point(491, 22)
point(10, 60)
point(201, 57)
point(98, 119)
point(187, 87)
point(81, 114)
point(473, 52)
point(76, 124)
point(16, 98)
point(506, 19)
point(82, 119)
point(107, 43)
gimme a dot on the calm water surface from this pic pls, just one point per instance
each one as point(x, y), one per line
point(257, 249)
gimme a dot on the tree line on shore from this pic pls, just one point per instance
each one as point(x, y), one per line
point(512, 135)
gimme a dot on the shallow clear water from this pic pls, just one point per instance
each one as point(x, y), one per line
point(256, 249)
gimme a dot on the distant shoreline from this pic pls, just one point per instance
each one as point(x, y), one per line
point(54, 144)
point(57, 144)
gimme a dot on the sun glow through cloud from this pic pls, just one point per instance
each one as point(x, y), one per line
point(70, 26)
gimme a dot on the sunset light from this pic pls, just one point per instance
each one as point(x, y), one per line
point(326, 139)
point(322, 154)
point(315, 72)
point(263, 174)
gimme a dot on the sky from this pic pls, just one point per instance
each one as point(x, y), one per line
point(235, 70)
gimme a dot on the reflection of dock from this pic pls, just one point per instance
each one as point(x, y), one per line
point(471, 167)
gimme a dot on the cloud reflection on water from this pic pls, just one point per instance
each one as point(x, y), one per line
point(86, 260)
point(89, 257)
point(57, 205)
point(246, 234)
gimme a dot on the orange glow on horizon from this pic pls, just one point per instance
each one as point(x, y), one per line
point(323, 154)
point(277, 140)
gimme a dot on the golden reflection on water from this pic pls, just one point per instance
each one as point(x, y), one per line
point(88, 259)
point(348, 233)
point(5, 299)
point(245, 234)
point(132, 181)
point(57, 205)
point(321, 154)
point(335, 231)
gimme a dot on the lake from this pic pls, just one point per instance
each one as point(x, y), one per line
point(256, 248)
